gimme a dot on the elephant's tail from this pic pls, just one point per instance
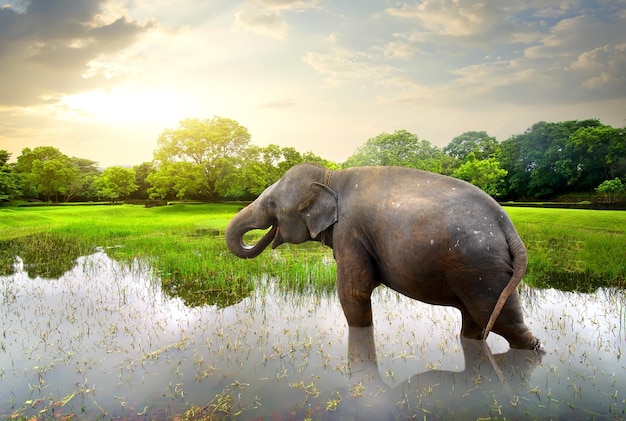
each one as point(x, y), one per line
point(520, 260)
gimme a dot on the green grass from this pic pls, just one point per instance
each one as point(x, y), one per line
point(184, 245)
point(572, 248)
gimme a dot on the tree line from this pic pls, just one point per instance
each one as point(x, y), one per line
point(213, 159)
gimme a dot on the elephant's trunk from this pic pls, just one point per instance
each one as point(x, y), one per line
point(235, 231)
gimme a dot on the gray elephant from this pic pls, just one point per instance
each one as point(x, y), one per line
point(430, 237)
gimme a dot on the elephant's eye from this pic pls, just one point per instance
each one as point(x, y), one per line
point(271, 203)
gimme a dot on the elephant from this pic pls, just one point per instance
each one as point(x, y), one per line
point(430, 237)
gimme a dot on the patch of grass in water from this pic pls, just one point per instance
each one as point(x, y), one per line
point(44, 255)
point(304, 268)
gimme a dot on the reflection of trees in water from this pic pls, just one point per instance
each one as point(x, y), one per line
point(50, 256)
point(198, 294)
point(43, 255)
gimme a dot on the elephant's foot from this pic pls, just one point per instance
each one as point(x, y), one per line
point(521, 338)
point(538, 346)
point(518, 336)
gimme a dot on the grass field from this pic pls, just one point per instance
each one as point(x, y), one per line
point(572, 248)
point(569, 249)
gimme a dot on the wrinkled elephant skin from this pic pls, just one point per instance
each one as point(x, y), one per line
point(430, 237)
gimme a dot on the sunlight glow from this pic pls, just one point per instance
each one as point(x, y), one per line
point(123, 106)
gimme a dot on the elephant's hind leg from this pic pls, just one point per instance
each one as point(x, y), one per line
point(469, 328)
point(510, 325)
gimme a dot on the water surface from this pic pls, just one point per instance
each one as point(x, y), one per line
point(103, 341)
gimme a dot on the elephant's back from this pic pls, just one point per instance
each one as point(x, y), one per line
point(408, 181)
point(397, 192)
point(425, 222)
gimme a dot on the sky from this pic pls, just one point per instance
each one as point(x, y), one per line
point(102, 79)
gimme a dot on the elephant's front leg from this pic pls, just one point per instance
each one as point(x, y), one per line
point(355, 283)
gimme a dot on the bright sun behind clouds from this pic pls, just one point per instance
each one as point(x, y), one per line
point(124, 105)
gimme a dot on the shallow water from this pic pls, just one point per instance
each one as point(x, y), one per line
point(103, 341)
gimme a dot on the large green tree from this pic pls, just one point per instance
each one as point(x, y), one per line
point(54, 178)
point(82, 188)
point(400, 148)
point(539, 161)
point(180, 179)
point(116, 183)
point(480, 144)
point(484, 173)
point(597, 153)
point(202, 154)
point(263, 166)
point(142, 171)
point(47, 172)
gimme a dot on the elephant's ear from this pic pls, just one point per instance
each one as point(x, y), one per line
point(319, 210)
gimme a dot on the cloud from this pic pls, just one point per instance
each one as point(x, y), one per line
point(292, 5)
point(533, 52)
point(54, 44)
point(341, 65)
point(603, 69)
point(449, 17)
point(571, 36)
point(405, 45)
point(267, 23)
point(454, 24)
point(267, 17)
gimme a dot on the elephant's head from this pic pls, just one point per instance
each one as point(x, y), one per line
point(298, 207)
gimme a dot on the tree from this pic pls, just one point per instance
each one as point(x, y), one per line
point(9, 184)
point(539, 161)
point(262, 167)
point(598, 153)
point(311, 157)
point(83, 186)
point(207, 150)
point(116, 183)
point(400, 148)
point(259, 168)
point(611, 190)
point(142, 172)
point(53, 177)
point(175, 179)
point(480, 144)
point(485, 174)
point(48, 173)
point(30, 183)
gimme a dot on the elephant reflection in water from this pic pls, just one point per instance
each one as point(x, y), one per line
point(467, 393)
